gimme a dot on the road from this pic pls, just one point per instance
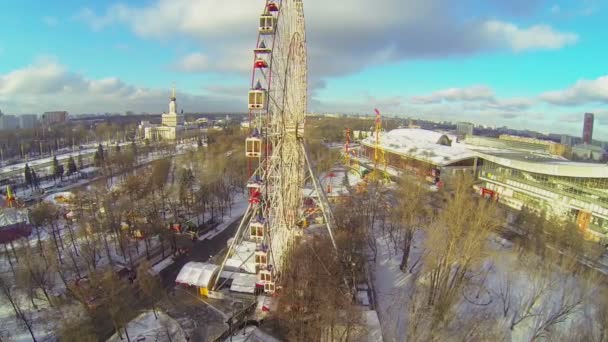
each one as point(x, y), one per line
point(201, 251)
point(200, 318)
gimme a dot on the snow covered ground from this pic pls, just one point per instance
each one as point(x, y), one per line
point(13, 330)
point(251, 334)
point(501, 274)
point(146, 327)
point(157, 268)
point(45, 318)
point(392, 288)
point(238, 209)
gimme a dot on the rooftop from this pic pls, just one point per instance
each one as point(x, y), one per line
point(423, 145)
point(544, 164)
point(196, 274)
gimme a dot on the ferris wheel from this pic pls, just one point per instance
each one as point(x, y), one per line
point(277, 159)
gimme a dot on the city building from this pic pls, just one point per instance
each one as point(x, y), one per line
point(464, 128)
point(588, 128)
point(431, 155)
point(28, 120)
point(171, 127)
point(588, 152)
point(53, 118)
point(8, 122)
point(562, 188)
point(516, 172)
point(531, 143)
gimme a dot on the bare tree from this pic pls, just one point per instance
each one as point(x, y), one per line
point(76, 329)
point(34, 274)
point(410, 212)
point(118, 301)
point(316, 305)
point(455, 245)
point(150, 285)
point(10, 295)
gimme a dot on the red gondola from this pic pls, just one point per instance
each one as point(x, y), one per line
point(254, 197)
point(260, 64)
point(272, 7)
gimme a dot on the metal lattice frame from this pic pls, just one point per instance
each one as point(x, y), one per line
point(285, 163)
point(279, 123)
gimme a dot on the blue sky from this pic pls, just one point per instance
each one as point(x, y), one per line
point(522, 63)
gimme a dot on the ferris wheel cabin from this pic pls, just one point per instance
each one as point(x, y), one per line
point(253, 149)
point(261, 259)
point(267, 23)
point(265, 276)
point(257, 98)
point(260, 63)
point(256, 231)
point(272, 7)
point(262, 48)
point(269, 287)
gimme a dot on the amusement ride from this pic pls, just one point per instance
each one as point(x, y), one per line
point(278, 163)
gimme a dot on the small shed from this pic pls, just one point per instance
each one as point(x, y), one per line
point(198, 274)
point(14, 225)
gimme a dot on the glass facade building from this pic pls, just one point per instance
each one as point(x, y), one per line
point(574, 197)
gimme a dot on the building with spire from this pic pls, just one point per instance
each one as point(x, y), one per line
point(172, 123)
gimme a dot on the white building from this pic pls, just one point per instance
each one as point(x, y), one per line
point(588, 152)
point(517, 175)
point(171, 127)
point(464, 128)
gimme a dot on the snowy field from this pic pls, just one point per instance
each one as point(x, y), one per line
point(148, 327)
point(515, 300)
point(44, 319)
point(238, 209)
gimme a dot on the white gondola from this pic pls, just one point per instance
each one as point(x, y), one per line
point(253, 148)
point(269, 287)
point(256, 230)
point(257, 99)
point(267, 23)
point(261, 259)
point(264, 276)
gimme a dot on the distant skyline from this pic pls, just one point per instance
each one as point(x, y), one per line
point(526, 64)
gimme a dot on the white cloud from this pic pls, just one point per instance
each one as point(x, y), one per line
point(474, 93)
point(476, 98)
point(582, 92)
point(341, 39)
point(47, 85)
point(194, 62)
point(115, 14)
point(534, 37)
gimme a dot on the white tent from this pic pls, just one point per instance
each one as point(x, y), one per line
point(197, 274)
